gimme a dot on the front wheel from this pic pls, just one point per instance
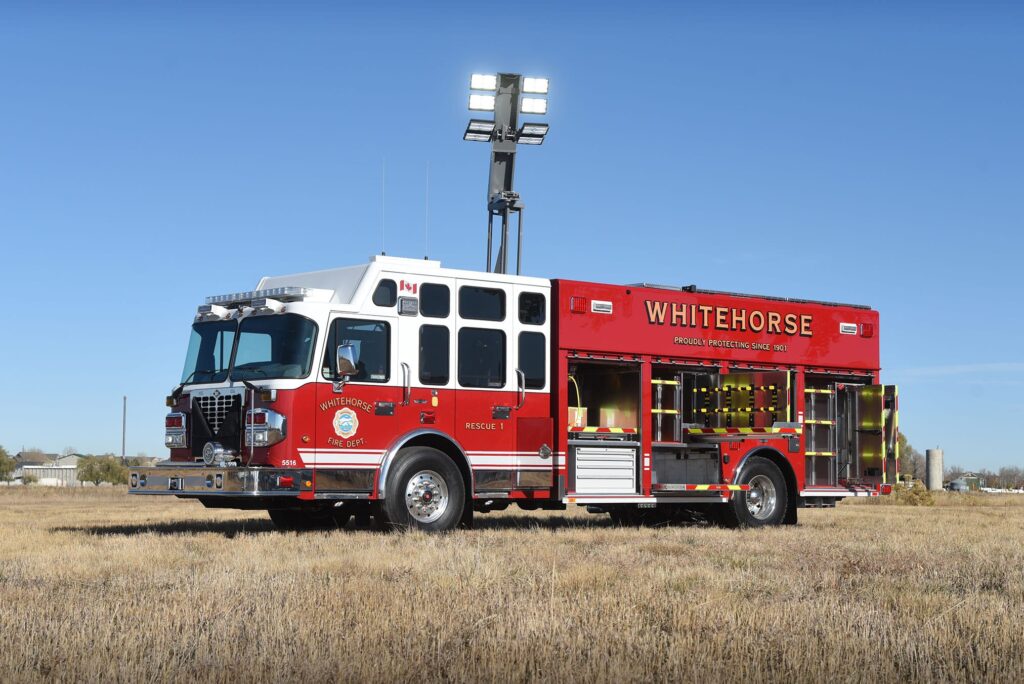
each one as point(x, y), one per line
point(764, 503)
point(425, 491)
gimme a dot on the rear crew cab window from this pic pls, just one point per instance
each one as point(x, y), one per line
point(531, 308)
point(386, 293)
point(435, 300)
point(481, 358)
point(481, 303)
point(372, 343)
point(532, 359)
point(434, 345)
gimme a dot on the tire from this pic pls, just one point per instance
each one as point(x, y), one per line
point(765, 504)
point(299, 520)
point(425, 491)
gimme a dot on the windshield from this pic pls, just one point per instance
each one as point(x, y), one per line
point(266, 347)
point(209, 352)
point(274, 347)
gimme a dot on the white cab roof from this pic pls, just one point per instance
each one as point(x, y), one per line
point(351, 284)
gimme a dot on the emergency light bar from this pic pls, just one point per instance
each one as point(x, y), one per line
point(281, 294)
point(212, 312)
point(266, 305)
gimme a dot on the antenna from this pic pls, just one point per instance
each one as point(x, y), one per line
point(426, 218)
point(382, 165)
point(504, 133)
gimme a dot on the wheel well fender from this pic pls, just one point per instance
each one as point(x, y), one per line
point(783, 464)
point(427, 438)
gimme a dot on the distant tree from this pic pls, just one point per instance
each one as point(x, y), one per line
point(68, 451)
point(1011, 477)
point(29, 479)
point(98, 469)
point(953, 472)
point(115, 471)
point(911, 460)
point(90, 469)
point(6, 466)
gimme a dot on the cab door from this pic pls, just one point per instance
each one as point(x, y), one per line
point(535, 462)
point(426, 323)
point(356, 420)
point(487, 381)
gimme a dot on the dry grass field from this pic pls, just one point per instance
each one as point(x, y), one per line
point(99, 586)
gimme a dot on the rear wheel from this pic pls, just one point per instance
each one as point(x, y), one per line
point(425, 491)
point(766, 501)
point(295, 519)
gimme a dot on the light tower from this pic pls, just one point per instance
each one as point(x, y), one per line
point(505, 97)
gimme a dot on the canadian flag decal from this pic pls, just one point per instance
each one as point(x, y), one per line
point(410, 287)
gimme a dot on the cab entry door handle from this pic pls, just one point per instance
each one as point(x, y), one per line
point(520, 388)
point(406, 383)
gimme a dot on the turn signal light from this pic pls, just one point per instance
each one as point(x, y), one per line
point(285, 481)
point(258, 418)
point(175, 420)
point(578, 305)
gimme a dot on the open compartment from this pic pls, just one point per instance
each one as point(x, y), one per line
point(604, 395)
point(604, 427)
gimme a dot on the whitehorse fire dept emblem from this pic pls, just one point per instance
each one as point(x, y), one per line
point(346, 423)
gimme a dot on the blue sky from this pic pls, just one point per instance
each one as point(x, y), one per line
point(155, 153)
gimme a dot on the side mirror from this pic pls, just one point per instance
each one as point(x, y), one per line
point(346, 360)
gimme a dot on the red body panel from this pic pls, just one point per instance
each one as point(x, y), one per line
point(715, 327)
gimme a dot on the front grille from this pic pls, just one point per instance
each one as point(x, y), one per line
point(216, 409)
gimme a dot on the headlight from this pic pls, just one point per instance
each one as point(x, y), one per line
point(263, 427)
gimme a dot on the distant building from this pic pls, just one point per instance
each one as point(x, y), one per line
point(50, 470)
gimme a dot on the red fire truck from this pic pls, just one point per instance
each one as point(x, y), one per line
point(418, 395)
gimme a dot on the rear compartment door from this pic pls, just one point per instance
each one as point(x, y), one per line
point(875, 433)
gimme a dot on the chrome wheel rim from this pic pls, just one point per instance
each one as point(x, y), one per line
point(426, 496)
point(762, 498)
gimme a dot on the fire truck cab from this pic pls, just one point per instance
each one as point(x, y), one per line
point(417, 394)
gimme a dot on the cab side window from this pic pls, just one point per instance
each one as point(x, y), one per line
point(435, 300)
point(434, 345)
point(531, 308)
point(532, 359)
point(481, 303)
point(372, 342)
point(481, 358)
point(386, 293)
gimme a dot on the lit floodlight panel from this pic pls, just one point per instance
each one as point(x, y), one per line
point(481, 126)
point(477, 137)
point(532, 105)
point(535, 85)
point(534, 129)
point(482, 103)
point(484, 82)
point(531, 139)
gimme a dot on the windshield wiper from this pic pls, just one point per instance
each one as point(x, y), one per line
point(176, 392)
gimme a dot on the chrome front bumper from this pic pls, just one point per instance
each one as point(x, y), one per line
point(186, 480)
